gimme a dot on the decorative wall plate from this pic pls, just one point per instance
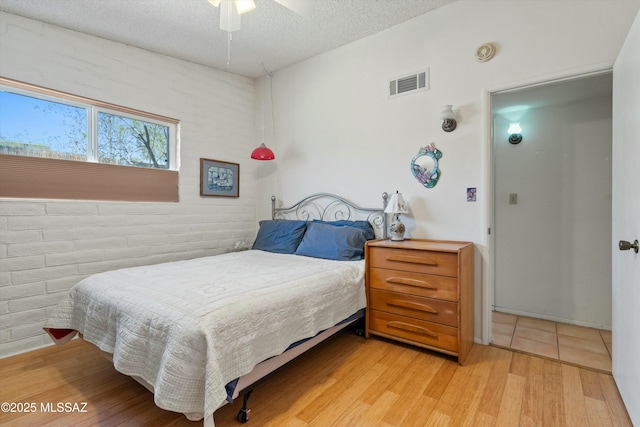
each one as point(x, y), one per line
point(424, 165)
point(485, 52)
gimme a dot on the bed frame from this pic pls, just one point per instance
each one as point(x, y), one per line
point(320, 206)
point(329, 207)
point(324, 207)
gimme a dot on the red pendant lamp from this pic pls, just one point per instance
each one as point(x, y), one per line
point(263, 153)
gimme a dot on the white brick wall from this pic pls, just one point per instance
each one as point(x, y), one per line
point(46, 246)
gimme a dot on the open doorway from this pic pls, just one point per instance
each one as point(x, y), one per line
point(552, 219)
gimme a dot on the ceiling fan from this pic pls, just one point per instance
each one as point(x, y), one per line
point(230, 16)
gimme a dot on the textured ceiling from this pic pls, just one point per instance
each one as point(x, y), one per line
point(190, 29)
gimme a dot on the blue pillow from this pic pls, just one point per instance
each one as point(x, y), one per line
point(331, 242)
point(280, 235)
point(363, 225)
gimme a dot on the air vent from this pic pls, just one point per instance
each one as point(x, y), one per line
point(409, 84)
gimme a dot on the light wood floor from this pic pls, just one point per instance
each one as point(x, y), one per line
point(347, 381)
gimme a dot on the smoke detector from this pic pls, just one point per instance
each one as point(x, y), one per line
point(485, 52)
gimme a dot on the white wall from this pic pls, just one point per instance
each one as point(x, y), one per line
point(336, 130)
point(47, 246)
point(552, 258)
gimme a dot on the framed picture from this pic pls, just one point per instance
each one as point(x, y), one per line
point(218, 178)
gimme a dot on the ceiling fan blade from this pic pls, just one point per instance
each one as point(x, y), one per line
point(301, 7)
point(229, 17)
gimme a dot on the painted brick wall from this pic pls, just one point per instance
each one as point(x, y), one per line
point(46, 246)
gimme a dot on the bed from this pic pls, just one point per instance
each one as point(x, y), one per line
point(198, 333)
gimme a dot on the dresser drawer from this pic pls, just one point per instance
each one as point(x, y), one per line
point(440, 263)
point(419, 331)
point(421, 308)
point(420, 284)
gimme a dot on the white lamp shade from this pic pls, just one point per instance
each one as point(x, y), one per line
point(396, 204)
point(244, 6)
point(447, 113)
point(514, 128)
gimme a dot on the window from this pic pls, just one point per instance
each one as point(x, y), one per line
point(132, 142)
point(39, 128)
point(38, 125)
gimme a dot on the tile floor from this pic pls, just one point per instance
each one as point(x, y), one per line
point(568, 343)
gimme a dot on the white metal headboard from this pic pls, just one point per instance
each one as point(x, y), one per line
point(330, 207)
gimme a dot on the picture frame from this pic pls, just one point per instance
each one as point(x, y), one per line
point(219, 178)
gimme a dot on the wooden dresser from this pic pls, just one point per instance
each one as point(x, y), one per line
point(421, 292)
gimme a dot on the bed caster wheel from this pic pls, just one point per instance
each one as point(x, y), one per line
point(360, 332)
point(243, 415)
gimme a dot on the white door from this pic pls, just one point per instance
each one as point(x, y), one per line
point(626, 222)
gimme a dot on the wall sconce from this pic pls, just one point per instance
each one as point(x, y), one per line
point(448, 118)
point(515, 133)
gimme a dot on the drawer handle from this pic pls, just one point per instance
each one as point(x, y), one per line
point(412, 305)
point(410, 282)
point(412, 260)
point(411, 328)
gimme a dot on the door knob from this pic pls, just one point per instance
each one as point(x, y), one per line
point(625, 246)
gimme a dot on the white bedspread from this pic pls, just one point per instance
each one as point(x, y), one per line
point(189, 327)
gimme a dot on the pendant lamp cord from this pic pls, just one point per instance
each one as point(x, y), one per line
point(273, 117)
point(263, 112)
point(229, 38)
point(265, 71)
point(229, 50)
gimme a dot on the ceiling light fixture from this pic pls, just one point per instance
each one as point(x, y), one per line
point(242, 6)
point(230, 16)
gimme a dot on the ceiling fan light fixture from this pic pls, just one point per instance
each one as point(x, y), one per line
point(230, 16)
point(244, 6)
